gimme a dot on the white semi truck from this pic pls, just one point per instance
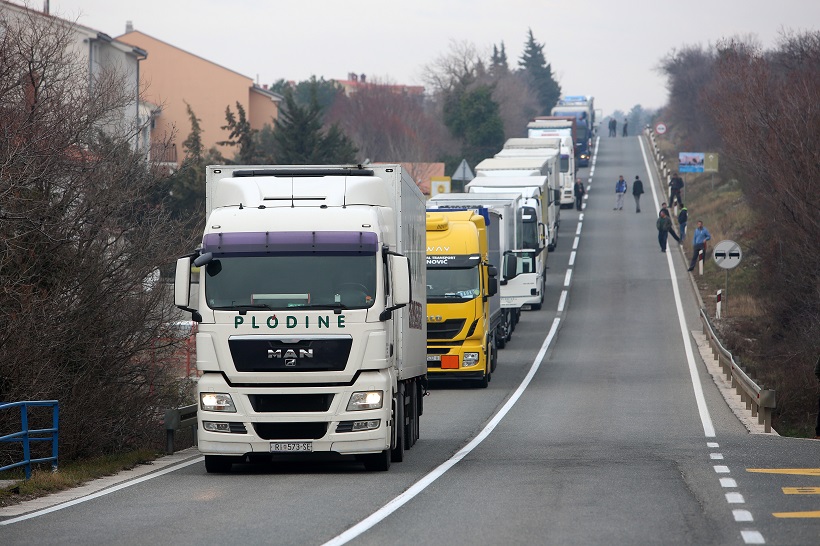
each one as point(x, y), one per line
point(528, 285)
point(502, 253)
point(311, 311)
point(521, 147)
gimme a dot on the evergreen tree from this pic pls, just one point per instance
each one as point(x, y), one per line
point(539, 73)
point(187, 186)
point(300, 140)
point(326, 91)
point(474, 117)
point(240, 135)
point(498, 62)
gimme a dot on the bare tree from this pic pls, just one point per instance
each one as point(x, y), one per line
point(83, 233)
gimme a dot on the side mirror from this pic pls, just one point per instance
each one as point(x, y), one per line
point(182, 287)
point(510, 266)
point(492, 287)
point(556, 196)
point(400, 279)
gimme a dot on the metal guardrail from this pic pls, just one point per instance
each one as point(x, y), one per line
point(27, 435)
point(760, 401)
point(176, 419)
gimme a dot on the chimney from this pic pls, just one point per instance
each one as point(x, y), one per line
point(129, 26)
point(353, 77)
point(265, 86)
point(363, 78)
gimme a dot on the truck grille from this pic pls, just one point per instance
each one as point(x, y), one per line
point(444, 330)
point(290, 431)
point(271, 355)
point(280, 403)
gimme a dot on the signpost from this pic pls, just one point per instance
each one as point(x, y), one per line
point(660, 128)
point(462, 174)
point(727, 255)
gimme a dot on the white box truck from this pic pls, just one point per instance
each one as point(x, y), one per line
point(545, 164)
point(527, 286)
point(519, 147)
point(311, 311)
point(504, 257)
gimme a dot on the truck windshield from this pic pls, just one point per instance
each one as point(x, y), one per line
point(287, 282)
point(452, 284)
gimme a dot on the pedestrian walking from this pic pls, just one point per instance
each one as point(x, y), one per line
point(637, 190)
point(683, 217)
point(579, 193)
point(675, 186)
point(626, 124)
point(613, 127)
point(620, 192)
point(699, 239)
point(663, 224)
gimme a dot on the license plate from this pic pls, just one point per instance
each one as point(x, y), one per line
point(291, 447)
point(433, 358)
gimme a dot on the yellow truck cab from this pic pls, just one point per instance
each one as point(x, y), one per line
point(461, 287)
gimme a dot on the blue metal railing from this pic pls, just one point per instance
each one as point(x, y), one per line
point(26, 435)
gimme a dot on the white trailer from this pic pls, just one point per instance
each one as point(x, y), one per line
point(311, 310)
point(547, 164)
point(527, 286)
point(505, 205)
point(518, 147)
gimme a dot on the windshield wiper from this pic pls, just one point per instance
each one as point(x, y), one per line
point(243, 309)
point(336, 306)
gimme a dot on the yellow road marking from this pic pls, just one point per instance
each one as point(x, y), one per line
point(815, 514)
point(801, 490)
point(792, 471)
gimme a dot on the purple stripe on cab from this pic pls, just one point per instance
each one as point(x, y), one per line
point(291, 241)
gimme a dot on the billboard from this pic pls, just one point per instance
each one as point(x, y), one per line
point(690, 162)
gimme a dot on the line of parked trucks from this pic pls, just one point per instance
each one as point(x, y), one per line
point(329, 296)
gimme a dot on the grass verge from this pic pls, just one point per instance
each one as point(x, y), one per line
point(43, 481)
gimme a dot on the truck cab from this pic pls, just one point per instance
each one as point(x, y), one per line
point(460, 285)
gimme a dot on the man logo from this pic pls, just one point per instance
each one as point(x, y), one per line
point(289, 355)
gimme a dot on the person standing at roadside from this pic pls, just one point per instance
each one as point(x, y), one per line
point(637, 190)
point(675, 186)
point(699, 239)
point(683, 217)
point(663, 224)
point(579, 193)
point(625, 126)
point(620, 192)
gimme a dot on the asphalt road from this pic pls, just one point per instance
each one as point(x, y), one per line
point(600, 426)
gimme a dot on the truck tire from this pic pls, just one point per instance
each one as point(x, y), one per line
point(218, 464)
point(376, 462)
point(501, 337)
point(397, 453)
point(412, 416)
point(484, 381)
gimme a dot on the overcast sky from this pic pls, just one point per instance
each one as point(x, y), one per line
point(606, 48)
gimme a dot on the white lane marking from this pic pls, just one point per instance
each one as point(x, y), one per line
point(578, 229)
point(562, 301)
point(380, 514)
point(752, 537)
point(103, 492)
point(575, 243)
point(742, 515)
point(716, 456)
point(735, 498)
point(568, 277)
point(712, 444)
point(581, 217)
point(572, 258)
point(703, 410)
point(721, 469)
point(728, 482)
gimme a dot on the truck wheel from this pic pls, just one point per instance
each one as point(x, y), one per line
point(378, 462)
point(501, 338)
point(397, 453)
point(218, 464)
point(484, 381)
point(412, 413)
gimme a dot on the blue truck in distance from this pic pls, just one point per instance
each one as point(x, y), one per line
point(583, 109)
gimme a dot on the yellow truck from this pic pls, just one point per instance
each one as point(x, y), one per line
point(463, 305)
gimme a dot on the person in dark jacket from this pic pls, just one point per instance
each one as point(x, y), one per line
point(675, 186)
point(579, 193)
point(664, 226)
point(637, 190)
point(683, 218)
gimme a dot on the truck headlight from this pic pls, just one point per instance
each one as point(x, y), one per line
point(216, 401)
point(470, 359)
point(365, 400)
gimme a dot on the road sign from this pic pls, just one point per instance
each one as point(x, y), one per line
point(463, 172)
point(440, 184)
point(710, 164)
point(660, 128)
point(727, 254)
point(690, 162)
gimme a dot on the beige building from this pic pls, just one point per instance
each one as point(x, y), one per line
point(171, 77)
